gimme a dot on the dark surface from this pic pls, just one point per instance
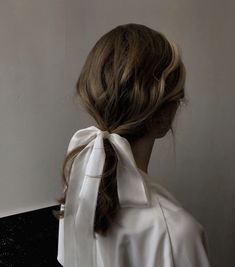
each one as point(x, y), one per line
point(29, 239)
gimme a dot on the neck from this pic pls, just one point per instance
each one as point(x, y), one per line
point(142, 149)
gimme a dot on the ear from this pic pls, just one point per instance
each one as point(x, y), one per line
point(163, 121)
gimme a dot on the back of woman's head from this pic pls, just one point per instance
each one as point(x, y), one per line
point(131, 72)
point(130, 77)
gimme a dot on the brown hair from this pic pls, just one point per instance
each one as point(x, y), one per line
point(129, 76)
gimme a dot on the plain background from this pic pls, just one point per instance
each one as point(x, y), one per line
point(42, 49)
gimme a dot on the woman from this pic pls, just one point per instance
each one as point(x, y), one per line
point(112, 213)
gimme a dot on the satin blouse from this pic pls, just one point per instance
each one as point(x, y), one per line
point(163, 234)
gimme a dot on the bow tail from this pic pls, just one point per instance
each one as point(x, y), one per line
point(132, 189)
point(84, 222)
point(84, 219)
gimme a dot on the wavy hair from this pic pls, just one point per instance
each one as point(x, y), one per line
point(130, 75)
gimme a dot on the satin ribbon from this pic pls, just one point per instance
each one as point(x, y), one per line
point(81, 202)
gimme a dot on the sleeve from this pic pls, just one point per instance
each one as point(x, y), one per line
point(60, 253)
point(189, 242)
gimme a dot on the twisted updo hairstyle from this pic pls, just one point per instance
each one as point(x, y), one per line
point(130, 75)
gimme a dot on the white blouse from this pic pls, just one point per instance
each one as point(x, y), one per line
point(162, 235)
point(154, 229)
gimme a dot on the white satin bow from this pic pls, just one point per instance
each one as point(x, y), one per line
point(83, 189)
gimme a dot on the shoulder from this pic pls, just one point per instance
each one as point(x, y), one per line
point(179, 221)
point(187, 236)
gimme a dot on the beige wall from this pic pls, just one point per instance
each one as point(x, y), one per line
point(43, 46)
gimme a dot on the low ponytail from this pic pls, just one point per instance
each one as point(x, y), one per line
point(107, 200)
